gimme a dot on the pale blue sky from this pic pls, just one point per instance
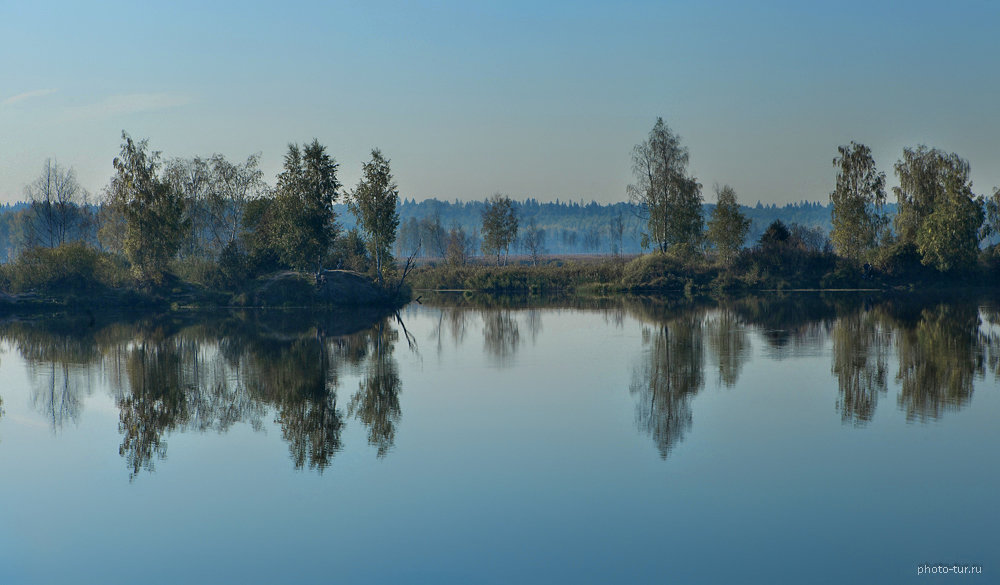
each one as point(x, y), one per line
point(469, 98)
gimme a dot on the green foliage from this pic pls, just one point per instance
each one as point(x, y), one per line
point(234, 266)
point(843, 275)
point(258, 234)
point(937, 208)
point(922, 175)
point(727, 229)
point(654, 271)
point(899, 260)
point(785, 258)
point(230, 272)
point(459, 247)
point(286, 289)
point(148, 212)
point(991, 208)
point(196, 269)
point(671, 199)
point(374, 203)
point(300, 221)
point(949, 236)
point(69, 268)
point(687, 253)
point(549, 277)
point(725, 283)
point(350, 253)
point(858, 220)
point(499, 226)
point(775, 236)
point(217, 193)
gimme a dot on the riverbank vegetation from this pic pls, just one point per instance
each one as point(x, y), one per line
point(208, 231)
point(939, 238)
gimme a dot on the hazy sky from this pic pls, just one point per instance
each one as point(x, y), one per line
point(533, 99)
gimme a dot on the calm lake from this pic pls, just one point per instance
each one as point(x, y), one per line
point(798, 439)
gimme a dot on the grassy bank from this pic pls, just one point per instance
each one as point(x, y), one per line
point(550, 276)
point(758, 269)
point(75, 275)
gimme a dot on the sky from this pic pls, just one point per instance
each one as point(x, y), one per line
point(531, 99)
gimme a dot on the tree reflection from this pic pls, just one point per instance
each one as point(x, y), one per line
point(56, 392)
point(376, 403)
point(312, 429)
point(457, 320)
point(860, 356)
point(730, 345)
point(501, 336)
point(792, 325)
point(939, 357)
point(670, 374)
point(59, 357)
point(615, 315)
point(189, 372)
point(153, 403)
point(184, 373)
point(534, 324)
point(453, 320)
point(991, 339)
point(299, 379)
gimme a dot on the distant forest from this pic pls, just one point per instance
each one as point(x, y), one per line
point(569, 227)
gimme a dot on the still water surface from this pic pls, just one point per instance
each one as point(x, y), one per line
point(805, 439)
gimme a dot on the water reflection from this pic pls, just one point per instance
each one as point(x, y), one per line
point(153, 402)
point(791, 326)
point(57, 364)
point(376, 403)
point(501, 336)
point(939, 356)
point(203, 374)
point(534, 321)
point(192, 372)
point(939, 349)
point(861, 343)
point(298, 378)
point(730, 344)
point(669, 374)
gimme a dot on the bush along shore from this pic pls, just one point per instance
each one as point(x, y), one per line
point(76, 275)
point(210, 233)
point(681, 270)
point(79, 275)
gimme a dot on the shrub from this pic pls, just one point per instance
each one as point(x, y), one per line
point(656, 270)
point(900, 260)
point(286, 289)
point(843, 276)
point(350, 253)
point(517, 278)
point(234, 267)
point(725, 282)
point(72, 267)
point(196, 269)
